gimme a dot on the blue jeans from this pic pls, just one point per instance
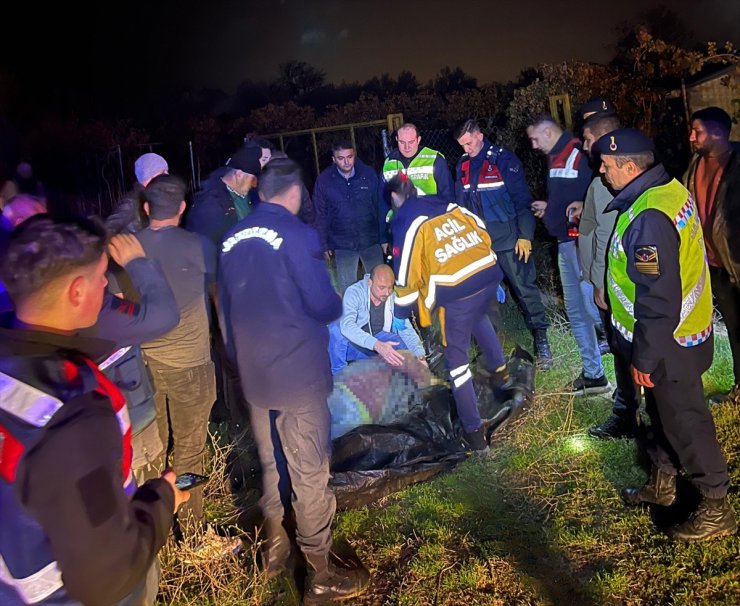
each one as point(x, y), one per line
point(341, 351)
point(579, 300)
point(346, 261)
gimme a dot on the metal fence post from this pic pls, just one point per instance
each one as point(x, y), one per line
point(315, 151)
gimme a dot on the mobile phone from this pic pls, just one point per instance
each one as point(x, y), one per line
point(186, 481)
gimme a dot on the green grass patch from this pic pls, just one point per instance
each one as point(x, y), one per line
point(538, 522)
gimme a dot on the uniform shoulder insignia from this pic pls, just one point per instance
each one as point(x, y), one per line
point(646, 260)
point(125, 307)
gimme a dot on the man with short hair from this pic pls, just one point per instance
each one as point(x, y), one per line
point(568, 179)
point(426, 167)
point(180, 360)
point(661, 307)
point(280, 345)
point(594, 230)
point(223, 200)
point(350, 214)
point(74, 528)
point(128, 215)
point(368, 327)
point(491, 183)
point(713, 178)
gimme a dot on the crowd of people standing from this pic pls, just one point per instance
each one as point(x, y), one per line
point(118, 337)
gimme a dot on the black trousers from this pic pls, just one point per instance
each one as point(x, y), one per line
point(727, 296)
point(626, 402)
point(682, 434)
point(522, 279)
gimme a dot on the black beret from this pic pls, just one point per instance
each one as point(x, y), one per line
point(623, 142)
point(599, 105)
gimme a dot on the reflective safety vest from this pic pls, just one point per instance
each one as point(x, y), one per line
point(28, 572)
point(695, 322)
point(420, 171)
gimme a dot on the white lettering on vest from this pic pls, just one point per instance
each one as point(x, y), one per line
point(457, 245)
point(268, 235)
point(448, 229)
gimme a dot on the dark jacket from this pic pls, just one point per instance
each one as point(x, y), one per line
point(128, 215)
point(275, 300)
point(494, 187)
point(569, 176)
point(212, 212)
point(726, 212)
point(657, 297)
point(67, 502)
point(350, 213)
point(128, 325)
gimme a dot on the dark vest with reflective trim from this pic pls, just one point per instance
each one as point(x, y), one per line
point(28, 572)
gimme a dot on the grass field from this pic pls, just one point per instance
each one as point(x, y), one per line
point(539, 521)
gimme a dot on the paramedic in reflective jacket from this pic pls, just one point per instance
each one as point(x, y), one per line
point(445, 263)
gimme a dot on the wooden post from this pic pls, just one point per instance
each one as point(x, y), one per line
point(282, 144)
point(352, 138)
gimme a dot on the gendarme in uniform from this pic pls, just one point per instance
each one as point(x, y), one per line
point(661, 303)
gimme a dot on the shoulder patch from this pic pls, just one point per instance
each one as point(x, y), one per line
point(646, 260)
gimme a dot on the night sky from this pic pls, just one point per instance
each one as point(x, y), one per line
point(218, 44)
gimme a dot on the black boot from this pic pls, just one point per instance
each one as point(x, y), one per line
point(542, 349)
point(501, 382)
point(614, 427)
point(660, 489)
point(276, 548)
point(326, 582)
point(712, 518)
point(477, 440)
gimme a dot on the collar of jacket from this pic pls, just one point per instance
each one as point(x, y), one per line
point(562, 142)
point(652, 177)
point(17, 341)
point(271, 208)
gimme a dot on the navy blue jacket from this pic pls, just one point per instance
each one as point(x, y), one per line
point(350, 213)
point(568, 179)
point(657, 297)
point(500, 195)
point(275, 300)
point(429, 206)
point(213, 212)
point(128, 325)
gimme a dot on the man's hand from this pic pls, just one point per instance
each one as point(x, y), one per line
point(386, 351)
point(328, 254)
point(576, 208)
point(181, 496)
point(600, 298)
point(538, 208)
point(423, 360)
point(124, 248)
point(523, 249)
point(384, 246)
point(641, 378)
